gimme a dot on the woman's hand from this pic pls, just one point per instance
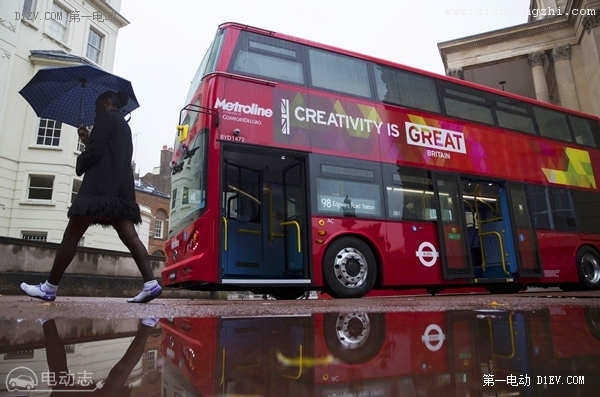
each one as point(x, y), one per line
point(84, 134)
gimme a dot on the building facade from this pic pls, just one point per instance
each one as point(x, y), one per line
point(153, 190)
point(554, 57)
point(37, 156)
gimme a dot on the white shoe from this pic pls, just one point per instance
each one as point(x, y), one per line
point(146, 295)
point(37, 291)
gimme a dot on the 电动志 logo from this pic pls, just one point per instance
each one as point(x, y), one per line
point(23, 379)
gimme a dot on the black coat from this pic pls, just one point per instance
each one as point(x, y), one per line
point(107, 191)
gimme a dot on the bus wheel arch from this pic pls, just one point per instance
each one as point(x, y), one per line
point(588, 267)
point(350, 267)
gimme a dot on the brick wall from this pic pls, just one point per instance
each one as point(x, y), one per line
point(159, 204)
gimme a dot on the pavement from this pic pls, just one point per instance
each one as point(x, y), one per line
point(23, 307)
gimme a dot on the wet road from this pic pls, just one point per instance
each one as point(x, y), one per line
point(21, 307)
point(544, 343)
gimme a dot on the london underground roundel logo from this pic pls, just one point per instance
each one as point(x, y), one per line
point(427, 254)
point(433, 337)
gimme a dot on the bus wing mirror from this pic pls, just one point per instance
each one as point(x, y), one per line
point(182, 132)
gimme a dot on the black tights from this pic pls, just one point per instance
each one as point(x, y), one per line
point(75, 230)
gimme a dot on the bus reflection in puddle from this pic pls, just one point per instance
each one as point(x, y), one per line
point(547, 352)
point(453, 353)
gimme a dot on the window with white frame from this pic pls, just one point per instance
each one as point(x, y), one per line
point(40, 187)
point(75, 189)
point(80, 145)
point(28, 9)
point(94, 46)
point(58, 23)
point(49, 133)
point(158, 228)
point(34, 236)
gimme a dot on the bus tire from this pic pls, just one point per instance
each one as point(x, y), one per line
point(354, 338)
point(588, 267)
point(350, 268)
point(592, 319)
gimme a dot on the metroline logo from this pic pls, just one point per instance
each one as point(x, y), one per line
point(237, 107)
point(435, 138)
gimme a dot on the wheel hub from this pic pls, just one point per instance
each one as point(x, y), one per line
point(350, 268)
point(590, 268)
point(352, 329)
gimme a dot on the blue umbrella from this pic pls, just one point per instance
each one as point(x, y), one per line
point(68, 94)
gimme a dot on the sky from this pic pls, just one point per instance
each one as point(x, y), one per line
point(161, 48)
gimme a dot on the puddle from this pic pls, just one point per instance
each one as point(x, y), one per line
point(549, 352)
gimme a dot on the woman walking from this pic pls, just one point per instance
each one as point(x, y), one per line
point(106, 197)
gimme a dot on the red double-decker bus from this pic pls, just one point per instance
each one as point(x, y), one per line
point(299, 166)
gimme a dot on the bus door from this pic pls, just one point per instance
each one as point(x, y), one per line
point(456, 256)
point(527, 247)
point(266, 356)
point(242, 246)
point(294, 221)
point(491, 232)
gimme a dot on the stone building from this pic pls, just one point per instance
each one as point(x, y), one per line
point(554, 57)
point(37, 156)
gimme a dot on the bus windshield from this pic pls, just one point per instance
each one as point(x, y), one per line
point(188, 183)
point(207, 65)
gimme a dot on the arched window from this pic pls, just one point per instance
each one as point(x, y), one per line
point(160, 223)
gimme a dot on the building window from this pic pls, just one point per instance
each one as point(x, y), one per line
point(75, 190)
point(19, 355)
point(94, 46)
point(158, 229)
point(49, 133)
point(34, 236)
point(58, 23)
point(40, 187)
point(151, 359)
point(28, 9)
point(80, 146)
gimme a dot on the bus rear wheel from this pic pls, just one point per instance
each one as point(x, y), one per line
point(588, 267)
point(350, 268)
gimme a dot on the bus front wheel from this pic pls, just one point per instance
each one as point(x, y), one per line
point(349, 268)
point(354, 338)
point(588, 267)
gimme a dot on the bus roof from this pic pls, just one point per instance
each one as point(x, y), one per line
point(381, 61)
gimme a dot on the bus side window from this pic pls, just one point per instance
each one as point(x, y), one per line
point(562, 210)
point(540, 207)
point(409, 194)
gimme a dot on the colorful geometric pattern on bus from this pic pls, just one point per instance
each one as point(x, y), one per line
point(575, 171)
